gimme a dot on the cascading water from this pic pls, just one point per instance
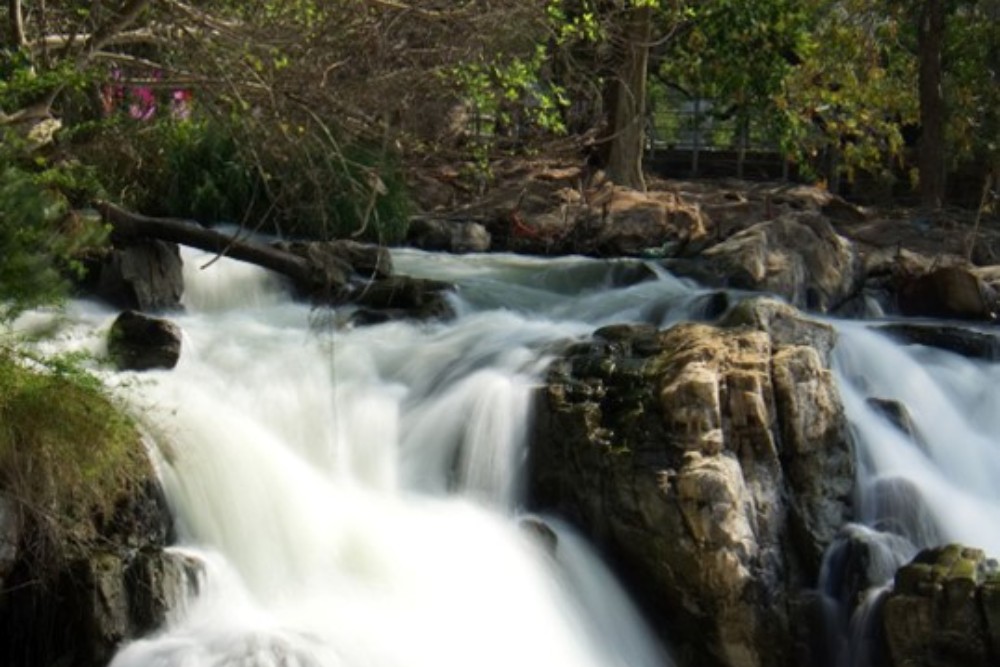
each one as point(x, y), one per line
point(351, 495)
point(924, 422)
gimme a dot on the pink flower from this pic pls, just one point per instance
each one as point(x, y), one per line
point(143, 106)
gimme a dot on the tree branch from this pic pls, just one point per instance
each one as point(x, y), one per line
point(105, 34)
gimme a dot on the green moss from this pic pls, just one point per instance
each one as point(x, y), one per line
point(68, 454)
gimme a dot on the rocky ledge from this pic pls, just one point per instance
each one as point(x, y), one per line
point(712, 463)
point(944, 610)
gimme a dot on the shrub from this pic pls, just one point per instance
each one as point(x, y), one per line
point(215, 169)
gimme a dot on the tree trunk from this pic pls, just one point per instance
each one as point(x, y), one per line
point(303, 273)
point(626, 103)
point(931, 158)
point(15, 17)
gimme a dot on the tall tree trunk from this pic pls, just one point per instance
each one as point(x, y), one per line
point(15, 17)
point(626, 102)
point(931, 158)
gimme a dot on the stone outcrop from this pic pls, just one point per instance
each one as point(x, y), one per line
point(140, 342)
point(950, 292)
point(713, 463)
point(74, 602)
point(800, 258)
point(944, 610)
point(456, 236)
point(966, 342)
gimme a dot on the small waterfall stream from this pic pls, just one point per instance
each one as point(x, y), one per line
point(924, 423)
point(353, 494)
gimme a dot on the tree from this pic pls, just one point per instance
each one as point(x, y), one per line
point(932, 150)
point(625, 97)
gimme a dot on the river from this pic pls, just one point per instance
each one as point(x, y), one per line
point(354, 496)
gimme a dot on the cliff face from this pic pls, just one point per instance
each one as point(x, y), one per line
point(712, 462)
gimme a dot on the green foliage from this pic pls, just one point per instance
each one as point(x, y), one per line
point(67, 453)
point(295, 180)
point(39, 237)
point(971, 60)
point(513, 93)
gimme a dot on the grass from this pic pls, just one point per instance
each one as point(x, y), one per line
point(68, 454)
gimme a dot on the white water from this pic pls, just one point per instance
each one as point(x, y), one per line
point(352, 494)
point(934, 486)
point(954, 404)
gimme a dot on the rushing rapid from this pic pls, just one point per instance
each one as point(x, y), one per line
point(352, 495)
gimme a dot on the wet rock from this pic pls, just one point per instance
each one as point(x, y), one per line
point(541, 533)
point(75, 603)
point(860, 559)
point(448, 235)
point(966, 342)
point(402, 297)
point(800, 258)
point(343, 257)
point(899, 416)
point(144, 275)
point(943, 610)
point(139, 342)
point(713, 463)
point(950, 292)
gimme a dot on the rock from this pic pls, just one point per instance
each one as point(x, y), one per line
point(401, 297)
point(448, 235)
point(950, 292)
point(144, 275)
point(75, 603)
point(944, 610)
point(797, 257)
point(899, 416)
point(540, 533)
point(139, 342)
point(860, 559)
point(156, 581)
point(713, 463)
point(636, 221)
point(341, 255)
point(966, 342)
point(10, 535)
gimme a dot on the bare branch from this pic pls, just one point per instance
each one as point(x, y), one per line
point(105, 34)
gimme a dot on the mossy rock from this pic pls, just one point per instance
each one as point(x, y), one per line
point(80, 500)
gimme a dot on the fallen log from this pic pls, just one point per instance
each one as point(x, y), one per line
point(306, 275)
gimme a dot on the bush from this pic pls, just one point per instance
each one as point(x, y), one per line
point(212, 169)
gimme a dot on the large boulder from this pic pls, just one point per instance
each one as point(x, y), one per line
point(713, 463)
point(951, 292)
point(800, 258)
point(457, 236)
point(944, 610)
point(75, 602)
point(141, 274)
point(140, 342)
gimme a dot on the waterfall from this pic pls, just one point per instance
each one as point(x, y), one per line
point(924, 422)
point(353, 494)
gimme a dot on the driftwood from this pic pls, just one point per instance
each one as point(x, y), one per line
point(331, 273)
point(305, 274)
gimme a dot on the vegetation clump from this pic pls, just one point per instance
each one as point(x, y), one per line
point(68, 454)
